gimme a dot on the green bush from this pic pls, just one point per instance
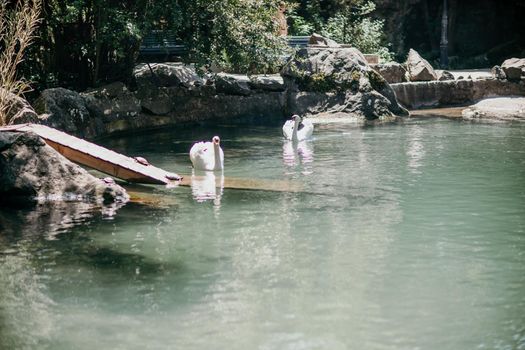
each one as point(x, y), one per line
point(362, 32)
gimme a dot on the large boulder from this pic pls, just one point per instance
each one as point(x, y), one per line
point(232, 84)
point(392, 72)
point(111, 102)
point(31, 172)
point(418, 68)
point(65, 110)
point(19, 110)
point(319, 40)
point(166, 75)
point(514, 68)
point(267, 83)
point(338, 80)
point(498, 73)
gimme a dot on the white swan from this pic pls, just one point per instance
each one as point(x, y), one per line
point(207, 155)
point(297, 129)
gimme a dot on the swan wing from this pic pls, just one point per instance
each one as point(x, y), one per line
point(201, 155)
point(306, 131)
point(288, 129)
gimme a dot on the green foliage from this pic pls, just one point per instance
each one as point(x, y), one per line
point(347, 23)
point(240, 36)
point(299, 26)
point(353, 27)
point(83, 43)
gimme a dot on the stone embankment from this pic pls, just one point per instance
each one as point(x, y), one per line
point(328, 82)
point(317, 80)
point(417, 85)
point(414, 95)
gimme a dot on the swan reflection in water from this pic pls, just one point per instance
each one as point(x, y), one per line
point(299, 153)
point(207, 185)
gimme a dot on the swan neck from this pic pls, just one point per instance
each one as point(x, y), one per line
point(217, 154)
point(295, 128)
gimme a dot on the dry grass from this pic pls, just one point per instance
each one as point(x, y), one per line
point(17, 28)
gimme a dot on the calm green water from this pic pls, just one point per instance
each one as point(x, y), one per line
point(408, 236)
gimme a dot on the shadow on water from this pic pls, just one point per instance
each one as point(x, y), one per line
point(51, 252)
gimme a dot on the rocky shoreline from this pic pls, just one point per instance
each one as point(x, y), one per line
point(316, 80)
point(33, 172)
point(327, 84)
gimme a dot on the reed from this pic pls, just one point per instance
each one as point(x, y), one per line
point(17, 28)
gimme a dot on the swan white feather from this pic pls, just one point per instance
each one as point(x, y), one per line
point(297, 129)
point(207, 155)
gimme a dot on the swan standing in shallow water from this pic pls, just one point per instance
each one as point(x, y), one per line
point(297, 129)
point(207, 155)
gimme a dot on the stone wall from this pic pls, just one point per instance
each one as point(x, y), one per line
point(415, 95)
point(322, 80)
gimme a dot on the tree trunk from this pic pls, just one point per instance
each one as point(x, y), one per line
point(444, 37)
point(452, 18)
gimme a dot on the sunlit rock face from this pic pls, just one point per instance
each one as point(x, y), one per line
point(338, 80)
point(392, 72)
point(418, 68)
point(514, 68)
point(32, 172)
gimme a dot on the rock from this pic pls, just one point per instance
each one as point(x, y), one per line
point(267, 83)
point(20, 111)
point(32, 171)
point(232, 84)
point(112, 102)
point(64, 110)
point(166, 75)
point(514, 68)
point(340, 81)
point(392, 72)
point(319, 40)
point(418, 68)
point(498, 73)
point(497, 109)
point(445, 75)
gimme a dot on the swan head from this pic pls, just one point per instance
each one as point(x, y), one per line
point(216, 140)
point(297, 118)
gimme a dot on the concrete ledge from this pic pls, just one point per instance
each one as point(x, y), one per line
point(413, 95)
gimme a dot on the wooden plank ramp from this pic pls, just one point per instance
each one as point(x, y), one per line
point(97, 157)
point(129, 169)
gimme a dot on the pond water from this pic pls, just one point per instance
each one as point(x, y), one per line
point(405, 236)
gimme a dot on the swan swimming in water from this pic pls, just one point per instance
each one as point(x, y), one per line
point(297, 129)
point(207, 155)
